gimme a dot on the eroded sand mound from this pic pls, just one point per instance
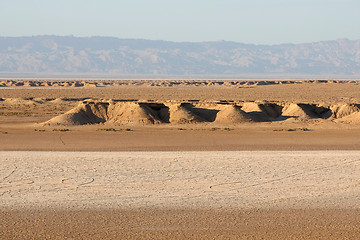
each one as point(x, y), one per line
point(141, 113)
point(298, 111)
point(58, 101)
point(84, 113)
point(260, 112)
point(132, 113)
point(353, 118)
point(251, 107)
point(184, 113)
point(232, 114)
point(343, 110)
point(21, 101)
point(101, 112)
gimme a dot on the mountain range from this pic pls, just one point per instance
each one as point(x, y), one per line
point(109, 55)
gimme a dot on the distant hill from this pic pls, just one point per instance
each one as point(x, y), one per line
point(68, 54)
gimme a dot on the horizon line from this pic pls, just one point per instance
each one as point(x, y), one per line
point(172, 41)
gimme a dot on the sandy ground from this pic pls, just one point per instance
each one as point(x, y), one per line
point(22, 107)
point(181, 224)
point(248, 137)
point(349, 91)
point(182, 194)
point(108, 187)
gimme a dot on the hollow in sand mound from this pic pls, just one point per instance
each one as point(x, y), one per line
point(132, 113)
point(255, 111)
point(251, 107)
point(232, 114)
point(183, 114)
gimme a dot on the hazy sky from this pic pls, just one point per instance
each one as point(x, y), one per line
point(248, 21)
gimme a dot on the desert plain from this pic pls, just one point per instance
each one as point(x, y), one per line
point(198, 159)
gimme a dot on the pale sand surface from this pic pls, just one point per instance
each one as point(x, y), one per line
point(177, 195)
point(259, 179)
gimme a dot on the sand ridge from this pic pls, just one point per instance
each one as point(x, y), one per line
point(155, 83)
point(135, 113)
point(297, 92)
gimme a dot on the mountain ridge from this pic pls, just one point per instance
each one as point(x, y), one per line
point(69, 54)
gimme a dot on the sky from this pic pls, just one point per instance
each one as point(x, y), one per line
point(246, 21)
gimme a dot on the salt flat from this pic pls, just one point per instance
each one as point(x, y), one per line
point(206, 179)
